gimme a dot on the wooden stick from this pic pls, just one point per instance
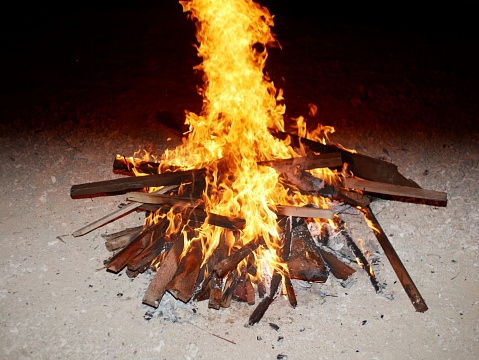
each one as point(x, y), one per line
point(260, 310)
point(183, 283)
point(363, 262)
point(339, 269)
point(360, 165)
point(137, 245)
point(229, 263)
point(115, 214)
point(391, 189)
point(115, 235)
point(396, 263)
point(135, 183)
point(160, 199)
point(164, 274)
point(306, 212)
point(106, 219)
point(121, 165)
point(115, 243)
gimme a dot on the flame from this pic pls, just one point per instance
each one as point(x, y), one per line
point(232, 133)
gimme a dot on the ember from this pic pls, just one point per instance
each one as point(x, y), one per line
point(231, 210)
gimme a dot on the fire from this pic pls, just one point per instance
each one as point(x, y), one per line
point(232, 133)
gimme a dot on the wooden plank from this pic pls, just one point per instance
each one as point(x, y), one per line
point(135, 183)
point(391, 189)
point(360, 165)
point(305, 212)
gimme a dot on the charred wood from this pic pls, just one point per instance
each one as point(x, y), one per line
point(260, 310)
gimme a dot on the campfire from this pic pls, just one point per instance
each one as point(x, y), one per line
point(242, 208)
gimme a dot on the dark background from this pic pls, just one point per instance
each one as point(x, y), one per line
point(352, 60)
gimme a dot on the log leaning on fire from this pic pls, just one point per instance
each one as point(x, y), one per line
point(396, 263)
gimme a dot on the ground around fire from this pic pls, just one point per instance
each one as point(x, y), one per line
point(78, 88)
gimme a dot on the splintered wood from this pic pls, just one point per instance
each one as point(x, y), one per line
point(170, 245)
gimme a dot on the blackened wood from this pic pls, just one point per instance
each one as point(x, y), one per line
point(260, 310)
point(331, 160)
point(396, 263)
point(290, 291)
point(216, 292)
point(228, 264)
point(135, 183)
point(360, 165)
point(183, 283)
point(229, 288)
point(360, 258)
point(305, 261)
point(392, 189)
point(339, 269)
point(164, 274)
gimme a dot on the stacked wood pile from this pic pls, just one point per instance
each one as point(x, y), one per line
point(231, 273)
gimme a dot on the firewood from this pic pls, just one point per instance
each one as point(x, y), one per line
point(306, 212)
point(116, 214)
point(201, 216)
point(229, 288)
point(123, 166)
point(137, 245)
point(392, 189)
point(290, 291)
point(360, 165)
point(144, 259)
point(135, 183)
point(260, 310)
point(161, 199)
point(229, 263)
point(396, 263)
point(216, 282)
point(363, 262)
point(164, 274)
point(305, 261)
point(121, 239)
point(183, 282)
point(339, 269)
point(106, 219)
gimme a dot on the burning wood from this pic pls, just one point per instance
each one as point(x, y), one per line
point(238, 195)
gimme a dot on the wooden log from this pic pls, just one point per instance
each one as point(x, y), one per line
point(229, 263)
point(144, 259)
point(216, 286)
point(164, 274)
point(135, 183)
point(290, 291)
point(305, 261)
point(331, 160)
point(123, 166)
point(201, 216)
point(250, 297)
point(229, 288)
point(360, 165)
point(183, 283)
point(339, 269)
point(396, 263)
point(360, 258)
point(392, 189)
point(306, 212)
point(137, 245)
point(260, 310)
point(121, 239)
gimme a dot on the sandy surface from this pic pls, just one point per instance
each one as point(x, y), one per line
point(81, 88)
